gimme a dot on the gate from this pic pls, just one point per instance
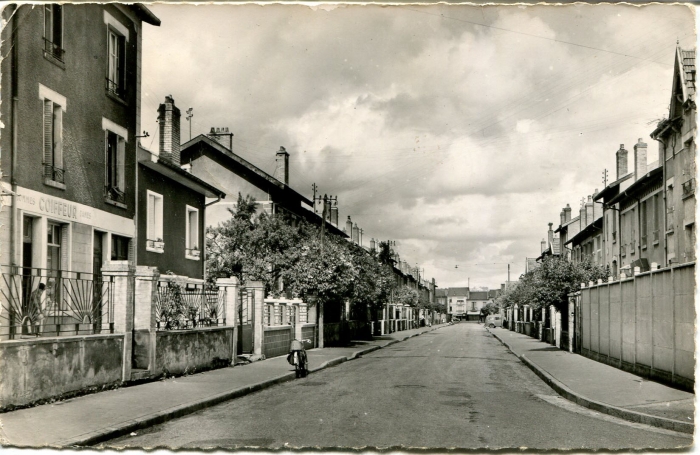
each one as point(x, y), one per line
point(575, 313)
point(245, 322)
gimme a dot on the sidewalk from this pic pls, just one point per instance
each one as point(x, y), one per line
point(601, 387)
point(94, 418)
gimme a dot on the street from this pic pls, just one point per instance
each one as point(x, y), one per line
point(455, 387)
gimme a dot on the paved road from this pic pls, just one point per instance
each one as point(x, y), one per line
point(454, 387)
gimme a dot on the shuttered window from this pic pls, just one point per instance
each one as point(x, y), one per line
point(154, 216)
point(53, 141)
point(115, 150)
point(192, 229)
point(115, 64)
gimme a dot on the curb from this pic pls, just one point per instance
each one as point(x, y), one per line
point(621, 413)
point(104, 434)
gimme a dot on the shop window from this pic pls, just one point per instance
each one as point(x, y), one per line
point(120, 248)
point(154, 220)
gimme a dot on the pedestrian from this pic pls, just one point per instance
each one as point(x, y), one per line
point(34, 312)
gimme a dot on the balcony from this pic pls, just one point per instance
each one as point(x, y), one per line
point(53, 50)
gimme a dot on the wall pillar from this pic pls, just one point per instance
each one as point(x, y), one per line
point(122, 275)
point(230, 287)
point(256, 287)
point(145, 295)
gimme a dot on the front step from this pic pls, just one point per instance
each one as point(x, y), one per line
point(137, 374)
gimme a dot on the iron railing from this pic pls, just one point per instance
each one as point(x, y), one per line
point(53, 49)
point(115, 194)
point(54, 173)
point(115, 88)
point(180, 306)
point(42, 302)
point(194, 252)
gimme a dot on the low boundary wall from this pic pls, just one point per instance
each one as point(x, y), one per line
point(186, 351)
point(40, 368)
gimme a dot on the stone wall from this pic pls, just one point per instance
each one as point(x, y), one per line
point(40, 368)
point(181, 351)
point(644, 324)
point(308, 332)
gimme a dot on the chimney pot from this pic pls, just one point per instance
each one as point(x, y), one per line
point(169, 130)
point(282, 161)
point(621, 161)
point(640, 159)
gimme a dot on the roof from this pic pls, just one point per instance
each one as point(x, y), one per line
point(493, 293)
point(651, 178)
point(687, 58)
point(587, 231)
point(566, 225)
point(479, 295)
point(611, 189)
point(457, 292)
point(145, 14)
point(177, 174)
point(217, 147)
point(440, 292)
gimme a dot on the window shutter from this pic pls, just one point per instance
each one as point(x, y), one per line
point(151, 217)
point(48, 137)
point(57, 137)
point(121, 145)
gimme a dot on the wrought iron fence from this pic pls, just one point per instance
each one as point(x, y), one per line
point(114, 87)
point(180, 306)
point(43, 302)
point(115, 194)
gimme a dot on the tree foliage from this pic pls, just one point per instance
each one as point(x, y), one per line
point(551, 283)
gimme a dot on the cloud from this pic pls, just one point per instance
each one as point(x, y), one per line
point(458, 131)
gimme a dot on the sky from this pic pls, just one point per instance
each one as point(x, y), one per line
point(457, 131)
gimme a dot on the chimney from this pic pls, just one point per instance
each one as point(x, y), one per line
point(550, 235)
point(334, 215)
point(282, 169)
point(621, 159)
point(543, 245)
point(567, 213)
point(582, 217)
point(640, 159)
point(222, 136)
point(589, 211)
point(372, 245)
point(348, 227)
point(355, 234)
point(169, 129)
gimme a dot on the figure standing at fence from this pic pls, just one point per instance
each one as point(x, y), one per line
point(34, 314)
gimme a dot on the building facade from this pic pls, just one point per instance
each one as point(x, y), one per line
point(71, 109)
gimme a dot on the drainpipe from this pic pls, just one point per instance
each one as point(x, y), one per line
point(662, 228)
point(13, 119)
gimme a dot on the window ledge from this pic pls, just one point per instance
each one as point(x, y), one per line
point(54, 60)
point(116, 97)
point(670, 231)
point(115, 203)
point(155, 250)
point(193, 258)
point(55, 184)
point(644, 247)
point(656, 242)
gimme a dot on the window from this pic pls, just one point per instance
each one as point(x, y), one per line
point(643, 213)
point(115, 65)
point(53, 247)
point(53, 143)
point(115, 149)
point(53, 31)
point(192, 233)
point(120, 248)
point(154, 220)
point(473, 306)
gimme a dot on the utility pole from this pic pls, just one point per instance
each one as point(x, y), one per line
point(327, 202)
point(314, 188)
point(605, 178)
point(189, 119)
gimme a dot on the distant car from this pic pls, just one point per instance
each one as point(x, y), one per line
point(494, 320)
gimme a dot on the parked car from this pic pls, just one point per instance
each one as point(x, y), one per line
point(494, 320)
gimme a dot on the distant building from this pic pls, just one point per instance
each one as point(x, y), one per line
point(464, 304)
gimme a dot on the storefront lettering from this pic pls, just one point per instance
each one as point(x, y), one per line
point(54, 207)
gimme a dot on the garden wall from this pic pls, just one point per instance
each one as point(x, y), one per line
point(644, 324)
point(277, 340)
point(40, 368)
point(181, 351)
